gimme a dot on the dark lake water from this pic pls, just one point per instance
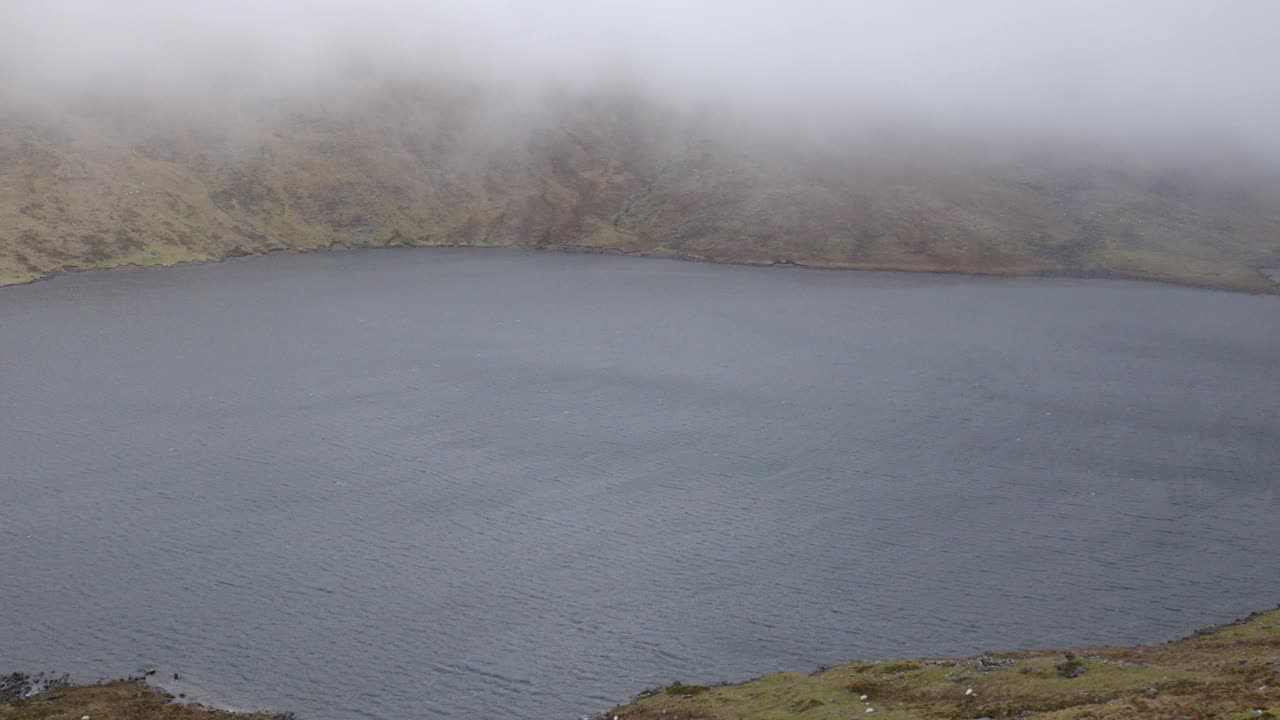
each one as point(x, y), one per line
point(418, 483)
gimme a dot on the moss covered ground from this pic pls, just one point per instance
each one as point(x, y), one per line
point(129, 699)
point(1229, 672)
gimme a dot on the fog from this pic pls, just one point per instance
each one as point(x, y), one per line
point(1135, 67)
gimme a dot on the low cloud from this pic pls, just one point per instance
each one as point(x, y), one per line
point(1138, 67)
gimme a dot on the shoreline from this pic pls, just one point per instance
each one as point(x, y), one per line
point(1231, 670)
point(1269, 277)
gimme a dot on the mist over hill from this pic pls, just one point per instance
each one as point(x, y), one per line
point(1070, 138)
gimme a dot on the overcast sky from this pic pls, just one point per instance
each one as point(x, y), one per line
point(1104, 63)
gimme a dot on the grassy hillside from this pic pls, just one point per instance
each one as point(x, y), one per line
point(1233, 672)
point(117, 700)
point(111, 181)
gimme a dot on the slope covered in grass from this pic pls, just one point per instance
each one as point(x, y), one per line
point(117, 700)
point(112, 180)
point(1231, 672)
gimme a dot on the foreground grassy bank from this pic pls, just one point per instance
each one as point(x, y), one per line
point(115, 700)
point(1228, 672)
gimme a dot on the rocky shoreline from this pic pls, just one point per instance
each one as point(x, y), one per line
point(1270, 277)
point(1229, 671)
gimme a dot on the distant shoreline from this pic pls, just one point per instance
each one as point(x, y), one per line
point(1270, 277)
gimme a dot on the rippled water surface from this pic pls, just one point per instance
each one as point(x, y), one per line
point(477, 483)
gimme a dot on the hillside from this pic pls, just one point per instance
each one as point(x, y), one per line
point(1232, 672)
point(109, 180)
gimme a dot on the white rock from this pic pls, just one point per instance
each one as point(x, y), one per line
point(871, 709)
point(863, 698)
point(969, 691)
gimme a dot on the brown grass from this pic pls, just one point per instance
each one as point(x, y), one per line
point(118, 700)
point(416, 166)
point(1233, 671)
